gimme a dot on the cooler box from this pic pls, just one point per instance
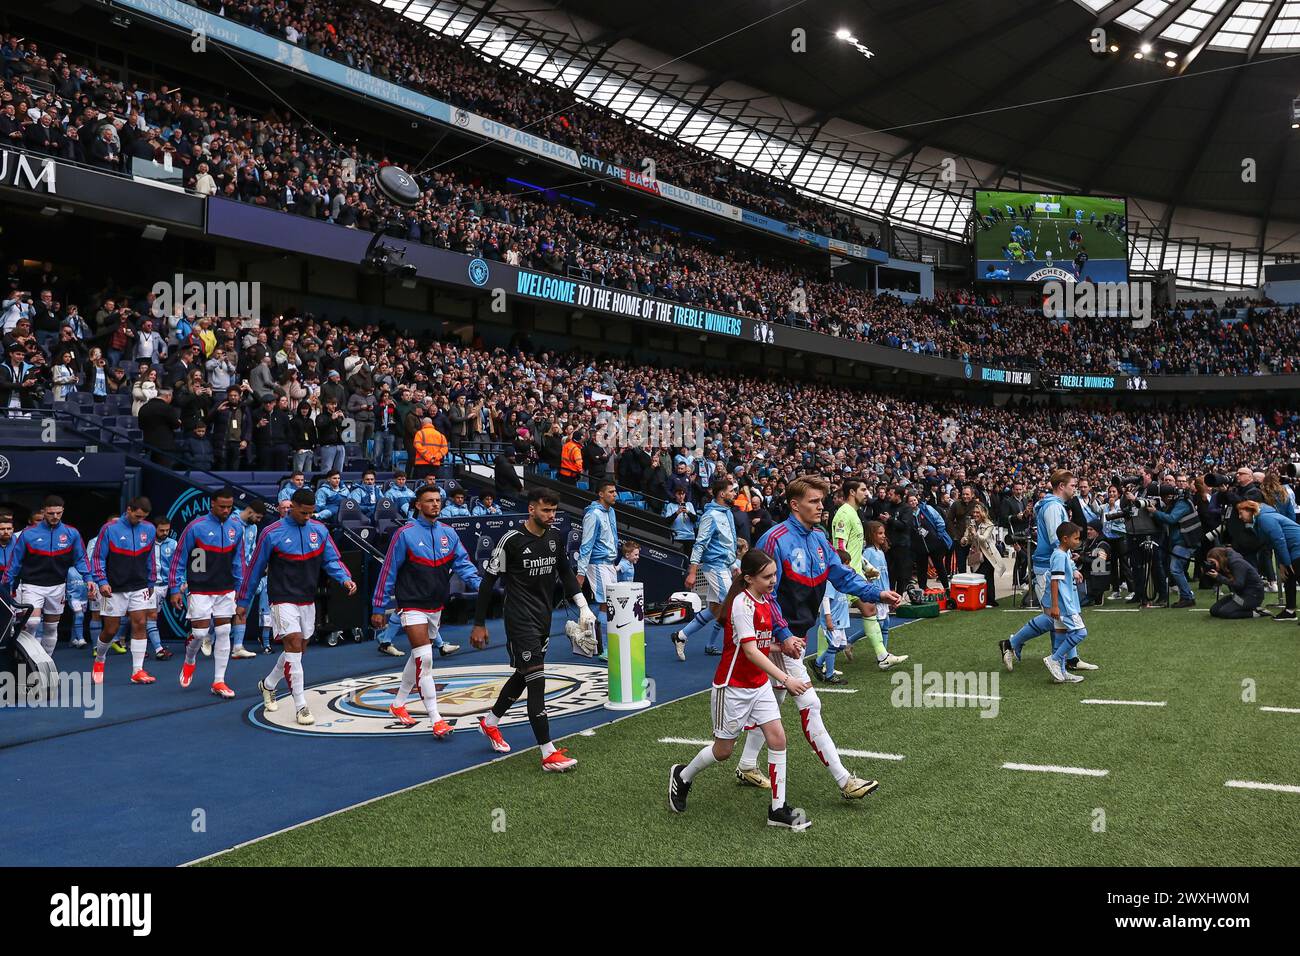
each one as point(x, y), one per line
point(938, 596)
point(969, 592)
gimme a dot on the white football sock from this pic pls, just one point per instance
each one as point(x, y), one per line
point(407, 682)
point(753, 747)
point(221, 653)
point(197, 636)
point(50, 636)
point(776, 771)
point(272, 680)
point(701, 760)
point(423, 659)
point(548, 748)
point(810, 715)
point(139, 646)
point(101, 650)
point(293, 663)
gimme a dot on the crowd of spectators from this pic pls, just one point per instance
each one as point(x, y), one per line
point(380, 42)
point(282, 392)
point(281, 164)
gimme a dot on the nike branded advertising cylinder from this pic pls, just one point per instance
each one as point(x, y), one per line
point(626, 637)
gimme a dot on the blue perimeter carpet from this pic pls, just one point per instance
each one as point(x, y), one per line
point(131, 787)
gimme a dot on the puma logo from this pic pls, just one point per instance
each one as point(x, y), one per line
point(75, 468)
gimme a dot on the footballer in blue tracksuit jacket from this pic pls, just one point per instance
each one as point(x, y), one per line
point(125, 568)
point(40, 557)
point(805, 561)
point(292, 552)
point(416, 579)
point(208, 565)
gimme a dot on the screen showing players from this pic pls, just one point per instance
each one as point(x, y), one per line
point(1038, 237)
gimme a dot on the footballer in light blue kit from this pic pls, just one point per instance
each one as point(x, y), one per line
point(1064, 610)
point(1050, 514)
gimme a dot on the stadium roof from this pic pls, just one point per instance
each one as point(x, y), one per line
point(1251, 25)
point(1197, 130)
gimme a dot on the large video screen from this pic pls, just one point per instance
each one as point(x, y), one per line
point(1037, 237)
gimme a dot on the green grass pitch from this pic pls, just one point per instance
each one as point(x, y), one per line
point(1051, 231)
point(949, 802)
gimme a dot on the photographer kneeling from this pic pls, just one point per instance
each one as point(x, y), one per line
point(1225, 566)
point(1284, 535)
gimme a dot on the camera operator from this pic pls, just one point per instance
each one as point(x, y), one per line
point(1097, 561)
point(1283, 535)
point(1145, 536)
point(1179, 515)
point(1228, 493)
point(1225, 566)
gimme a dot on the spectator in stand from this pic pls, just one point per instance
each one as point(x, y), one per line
point(159, 422)
point(145, 388)
point(682, 515)
point(196, 448)
point(329, 432)
point(387, 428)
point(303, 439)
point(230, 428)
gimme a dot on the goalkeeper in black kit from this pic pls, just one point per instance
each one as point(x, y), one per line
point(530, 560)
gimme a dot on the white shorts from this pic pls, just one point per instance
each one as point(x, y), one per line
point(601, 577)
point(736, 709)
point(836, 638)
point(293, 619)
point(411, 616)
point(92, 595)
point(45, 600)
point(1043, 586)
point(203, 607)
point(122, 603)
point(78, 605)
point(718, 582)
point(793, 666)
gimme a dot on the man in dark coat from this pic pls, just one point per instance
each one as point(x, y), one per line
point(159, 421)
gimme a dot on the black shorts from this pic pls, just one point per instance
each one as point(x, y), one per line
point(527, 651)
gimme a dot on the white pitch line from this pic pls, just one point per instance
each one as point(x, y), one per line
point(1130, 703)
point(1049, 768)
point(870, 755)
point(685, 740)
point(1282, 710)
point(837, 690)
point(1117, 610)
point(1255, 785)
point(935, 693)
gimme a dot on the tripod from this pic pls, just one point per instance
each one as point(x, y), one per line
point(1147, 570)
